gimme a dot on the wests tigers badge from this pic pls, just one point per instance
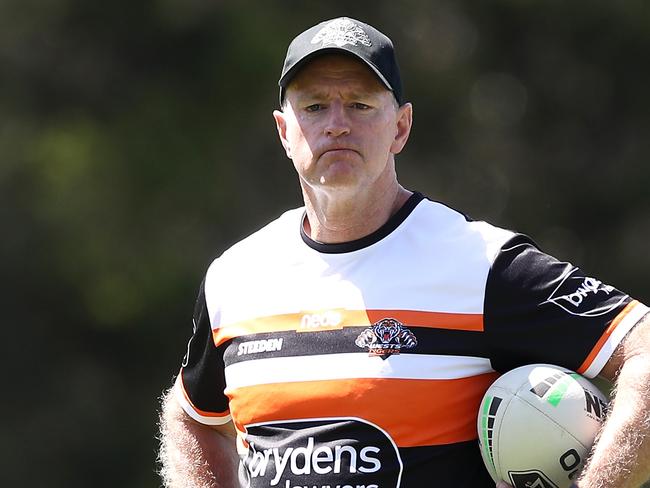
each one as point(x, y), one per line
point(385, 338)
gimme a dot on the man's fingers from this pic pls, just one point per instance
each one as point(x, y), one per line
point(503, 484)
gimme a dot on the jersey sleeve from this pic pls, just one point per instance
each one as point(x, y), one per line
point(200, 385)
point(541, 310)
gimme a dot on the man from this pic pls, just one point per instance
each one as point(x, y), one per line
point(349, 343)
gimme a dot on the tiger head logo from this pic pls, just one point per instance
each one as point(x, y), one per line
point(385, 338)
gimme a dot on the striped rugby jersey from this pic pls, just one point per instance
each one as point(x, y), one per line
point(363, 364)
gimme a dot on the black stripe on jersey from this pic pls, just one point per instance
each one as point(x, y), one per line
point(463, 464)
point(343, 247)
point(203, 365)
point(541, 310)
point(292, 343)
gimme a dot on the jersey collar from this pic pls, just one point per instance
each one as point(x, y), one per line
point(342, 247)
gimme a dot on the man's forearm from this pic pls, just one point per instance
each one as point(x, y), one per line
point(621, 456)
point(193, 455)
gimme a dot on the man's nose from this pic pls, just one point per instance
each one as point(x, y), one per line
point(338, 123)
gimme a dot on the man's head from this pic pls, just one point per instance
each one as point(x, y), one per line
point(342, 120)
point(344, 36)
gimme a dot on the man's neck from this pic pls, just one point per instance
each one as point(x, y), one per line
point(333, 219)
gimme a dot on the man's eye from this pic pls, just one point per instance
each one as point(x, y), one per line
point(315, 107)
point(361, 106)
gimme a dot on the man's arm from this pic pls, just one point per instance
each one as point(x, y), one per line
point(193, 455)
point(621, 455)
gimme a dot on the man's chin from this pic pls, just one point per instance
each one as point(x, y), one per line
point(340, 173)
point(336, 187)
point(339, 182)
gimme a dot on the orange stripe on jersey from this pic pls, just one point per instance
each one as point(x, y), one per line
point(288, 322)
point(603, 339)
point(339, 318)
point(413, 412)
point(436, 320)
point(202, 413)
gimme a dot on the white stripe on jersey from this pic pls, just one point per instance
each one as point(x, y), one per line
point(629, 321)
point(445, 269)
point(352, 366)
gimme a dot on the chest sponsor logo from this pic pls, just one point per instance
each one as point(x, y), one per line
point(585, 296)
point(264, 345)
point(320, 453)
point(385, 338)
point(314, 322)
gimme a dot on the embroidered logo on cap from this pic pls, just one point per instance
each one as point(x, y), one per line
point(340, 32)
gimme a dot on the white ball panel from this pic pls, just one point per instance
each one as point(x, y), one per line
point(530, 441)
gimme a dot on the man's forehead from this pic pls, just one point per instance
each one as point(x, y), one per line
point(335, 68)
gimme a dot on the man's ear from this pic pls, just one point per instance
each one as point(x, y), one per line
point(281, 125)
point(404, 124)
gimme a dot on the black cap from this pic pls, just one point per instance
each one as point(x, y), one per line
point(348, 36)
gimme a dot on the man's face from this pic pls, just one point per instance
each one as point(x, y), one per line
point(340, 125)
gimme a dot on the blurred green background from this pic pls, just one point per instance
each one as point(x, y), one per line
point(137, 143)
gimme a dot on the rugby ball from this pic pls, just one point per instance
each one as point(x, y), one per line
point(536, 425)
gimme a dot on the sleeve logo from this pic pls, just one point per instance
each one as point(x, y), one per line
point(585, 296)
point(186, 358)
point(385, 338)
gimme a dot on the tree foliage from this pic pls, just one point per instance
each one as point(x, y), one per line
point(137, 143)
